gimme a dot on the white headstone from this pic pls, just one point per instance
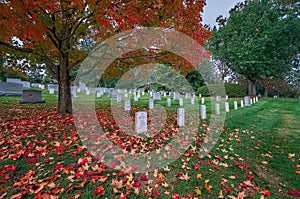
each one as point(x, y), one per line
point(127, 104)
point(126, 95)
point(194, 95)
point(42, 86)
point(119, 98)
point(78, 90)
point(180, 117)
point(247, 101)
point(235, 105)
point(242, 103)
point(218, 98)
point(192, 101)
point(202, 100)
point(165, 94)
point(136, 98)
point(203, 112)
point(200, 95)
point(180, 102)
point(87, 91)
point(138, 95)
point(256, 99)
point(51, 91)
point(251, 102)
point(217, 109)
point(140, 122)
point(98, 94)
point(188, 96)
point(226, 106)
point(168, 102)
point(151, 103)
point(226, 97)
point(143, 93)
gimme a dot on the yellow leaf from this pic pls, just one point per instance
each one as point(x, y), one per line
point(198, 191)
point(160, 176)
point(199, 176)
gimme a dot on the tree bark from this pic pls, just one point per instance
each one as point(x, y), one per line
point(64, 99)
point(251, 88)
point(266, 92)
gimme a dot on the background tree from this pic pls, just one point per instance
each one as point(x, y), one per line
point(258, 40)
point(51, 31)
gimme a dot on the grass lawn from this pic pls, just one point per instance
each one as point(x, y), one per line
point(256, 156)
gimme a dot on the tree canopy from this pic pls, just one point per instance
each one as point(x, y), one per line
point(53, 31)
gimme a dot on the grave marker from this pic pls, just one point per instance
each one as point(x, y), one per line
point(119, 98)
point(31, 96)
point(151, 103)
point(202, 100)
point(180, 102)
point(217, 109)
point(10, 89)
point(247, 101)
point(218, 98)
point(141, 122)
point(127, 104)
point(203, 112)
point(180, 117)
point(168, 102)
point(235, 105)
point(226, 106)
point(192, 101)
point(242, 103)
point(51, 91)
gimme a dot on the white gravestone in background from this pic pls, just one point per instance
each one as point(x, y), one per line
point(168, 102)
point(218, 98)
point(98, 94)
point(251, 102)
point(87, 91)
point(151, 103)
point(141, 122)
point(226, 106)
point(200, 95)
point(136, 98)
point(127, 104)
point(235, 105)
point(217, 109)
point(180, 117)
point(202, 100)
point(247, 101)
point(242, 103)
point(126, 95)
point(119, 98)
point(51, 91)
point(180, 102)
point(256, 99)
point(192, 101)
point(203, 112)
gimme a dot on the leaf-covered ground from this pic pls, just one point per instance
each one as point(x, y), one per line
point(256, 156)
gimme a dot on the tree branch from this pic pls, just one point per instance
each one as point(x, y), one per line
point(24, 50)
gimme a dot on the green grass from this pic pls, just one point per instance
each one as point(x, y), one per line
point(261, 142)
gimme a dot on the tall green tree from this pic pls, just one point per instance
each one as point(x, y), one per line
point(260, 39)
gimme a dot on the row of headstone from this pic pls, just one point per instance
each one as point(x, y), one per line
point(41, 86)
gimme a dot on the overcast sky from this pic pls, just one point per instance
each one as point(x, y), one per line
point(215, 8)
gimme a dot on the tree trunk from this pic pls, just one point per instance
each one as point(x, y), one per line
point(251, 88)
point(64, 97)
point(254, 89)
point(266, 92)
point(249, 85)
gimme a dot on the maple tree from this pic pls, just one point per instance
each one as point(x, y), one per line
point(51, 31)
